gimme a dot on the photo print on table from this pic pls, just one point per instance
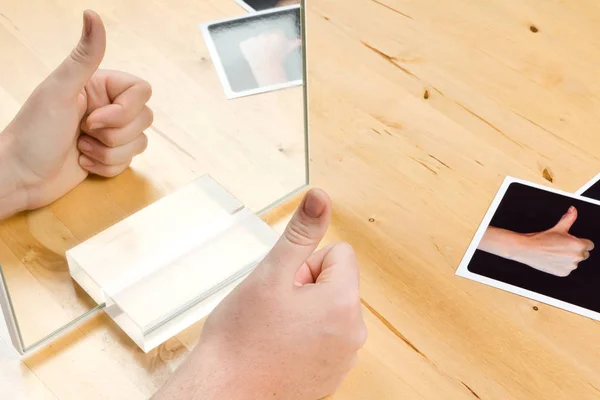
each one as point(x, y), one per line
point(539, 242)
point(257, 53)
point(591, 189)
point(260, 5)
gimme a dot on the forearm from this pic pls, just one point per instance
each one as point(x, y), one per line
point(13, 197)
point(501, 242)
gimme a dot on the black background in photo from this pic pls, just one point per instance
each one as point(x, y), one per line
point(228, 35)
point(526, 210)
point(259, 5)
point(593, 192)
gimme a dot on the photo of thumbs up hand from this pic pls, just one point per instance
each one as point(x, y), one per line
point(554, 251)
point(78, 121)
point(266, 53)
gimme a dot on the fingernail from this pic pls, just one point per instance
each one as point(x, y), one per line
point(571, 209)
point(314, 205)
point(85, 161)
point(87, 24)
point(85, 146)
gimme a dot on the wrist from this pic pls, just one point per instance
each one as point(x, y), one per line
point(209, 373)
point(13, 194)
point(520, 244)
point(504, 243)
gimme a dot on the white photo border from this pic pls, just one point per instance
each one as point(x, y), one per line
point(214, 55)
point(588, 185)
point(245, 6)
point(464, 272)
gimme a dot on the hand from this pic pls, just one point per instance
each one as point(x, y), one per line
point(291, 330)
point(553, 251)
point(266, 53)
point(77, 121)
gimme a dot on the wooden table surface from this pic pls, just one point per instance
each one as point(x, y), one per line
point(418, 111)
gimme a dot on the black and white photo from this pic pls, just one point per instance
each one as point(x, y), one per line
point(257, 53)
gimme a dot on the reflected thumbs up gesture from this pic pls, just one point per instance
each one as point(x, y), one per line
point(265, 55)
point(79, 120)
point(555, 251)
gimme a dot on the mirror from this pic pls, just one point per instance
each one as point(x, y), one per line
point(229, 100)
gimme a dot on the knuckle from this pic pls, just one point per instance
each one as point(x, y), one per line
point(345, 248)
point(103, 154)
point(146, 89)
point(346, 303)
point(109, 138)
point(79, 54)
point(144, 143)
point(150, 115)
point(298, 233)
point(362, 335)
point(110, 171)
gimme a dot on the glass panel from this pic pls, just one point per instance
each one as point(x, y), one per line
point(228, 101)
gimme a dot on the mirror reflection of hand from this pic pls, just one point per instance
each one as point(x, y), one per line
point(266, 54)
point(555, 251)
point(79, 120)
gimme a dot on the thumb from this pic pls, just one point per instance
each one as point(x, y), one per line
point(77, 69)
point(300, 238)
point(567, 220)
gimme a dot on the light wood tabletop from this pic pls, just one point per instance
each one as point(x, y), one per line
point(418, 109)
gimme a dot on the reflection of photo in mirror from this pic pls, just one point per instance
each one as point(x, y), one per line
point(257, 53)
point(539, 243)
point(260, 5)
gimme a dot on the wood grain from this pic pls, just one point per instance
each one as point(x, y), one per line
point(418, 111)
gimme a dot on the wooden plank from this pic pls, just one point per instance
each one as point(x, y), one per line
point(419, 109)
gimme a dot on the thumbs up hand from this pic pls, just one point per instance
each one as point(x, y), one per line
point(79, 120)
point(291, 330)
point(554, 251)
point(266, 54)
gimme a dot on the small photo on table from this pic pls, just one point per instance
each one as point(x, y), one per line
point(257, 53)
point(539, 243)
point(260, 5)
